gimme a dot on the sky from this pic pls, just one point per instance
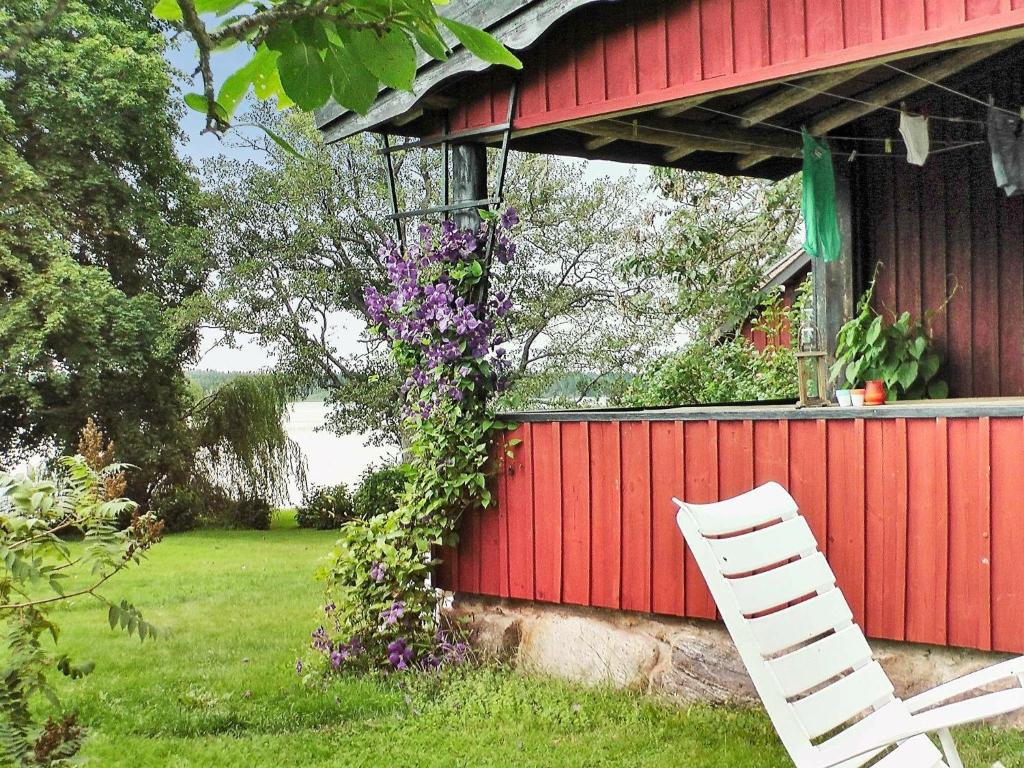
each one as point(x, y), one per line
point(199, 147)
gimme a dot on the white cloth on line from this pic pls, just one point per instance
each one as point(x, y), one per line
point(914, 130)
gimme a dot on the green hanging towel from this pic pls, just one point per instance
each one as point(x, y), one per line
point(821, 224)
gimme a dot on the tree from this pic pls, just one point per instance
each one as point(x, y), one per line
point(296, 240)
point(720, 236)
point(308, 52)
point(100, 246)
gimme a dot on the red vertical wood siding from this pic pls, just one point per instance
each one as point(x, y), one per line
point(947, 231)
point(920, 517)
point(629, 55)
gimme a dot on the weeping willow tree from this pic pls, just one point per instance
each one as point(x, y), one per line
point(241, 441)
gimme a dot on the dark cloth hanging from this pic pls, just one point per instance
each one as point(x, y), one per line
point(821, 224)
point(1006, 140)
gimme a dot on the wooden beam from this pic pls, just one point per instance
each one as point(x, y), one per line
point(408, 117)
point(786, 98)
point(677, 108)
point(834, 296)
point(601, 141)
point(888, 93)
point(673, 137)
point(674, 155)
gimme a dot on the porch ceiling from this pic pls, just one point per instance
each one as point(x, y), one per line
point(754, 130)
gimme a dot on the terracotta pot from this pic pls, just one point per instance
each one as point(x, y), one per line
point(874, 392)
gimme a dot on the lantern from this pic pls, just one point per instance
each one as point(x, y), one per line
point(812, 367)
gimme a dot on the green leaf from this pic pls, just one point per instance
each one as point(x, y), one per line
point(353, 85)
point(929, 365)
point(390, 57)
point(113, 615)
point(938, 390)
point(430, 41)
point(482, 44)
point(907, 374)
point(167, 10)
point(304, 76)
point(875, 330)
point(237, 84)
point(919, 346)
point(198, 102)
point(217, 6)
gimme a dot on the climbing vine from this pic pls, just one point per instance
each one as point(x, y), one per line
point(439, 318)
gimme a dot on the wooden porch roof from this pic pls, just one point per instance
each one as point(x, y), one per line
point(743, 121)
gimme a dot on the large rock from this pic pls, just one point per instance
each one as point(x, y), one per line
point(691, 661)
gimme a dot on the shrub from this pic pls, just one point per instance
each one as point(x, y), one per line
point(179, 507)
point(708, 372)
point(378, 492)
point(325, 508)
point(40, 574)
point(252, 513)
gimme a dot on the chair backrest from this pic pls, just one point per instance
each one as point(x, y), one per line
point(793, 628)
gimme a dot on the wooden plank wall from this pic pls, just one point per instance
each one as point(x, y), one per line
point(947, 230)
point(632, 54)
point(921, 519)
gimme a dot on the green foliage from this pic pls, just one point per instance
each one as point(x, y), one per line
point(706, 372)
point(309, 52)
point(379, 491)
point(40, 573)
point(325, 508)
point(100, 245)
point(285, 228)
point(179, 507)
point(241, 440)
point(726, 370)
point(898, 353)
point(720, 237)
point(252, 513)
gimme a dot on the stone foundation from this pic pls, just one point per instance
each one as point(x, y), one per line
point(688, 660)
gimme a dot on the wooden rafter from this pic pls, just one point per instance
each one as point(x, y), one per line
point(685, 136)
point(787, 98)
point(597, 143)
point(890, 92)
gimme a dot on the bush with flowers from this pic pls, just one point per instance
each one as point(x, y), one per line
point(439, 318)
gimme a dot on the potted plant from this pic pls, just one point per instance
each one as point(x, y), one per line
point(894, 361)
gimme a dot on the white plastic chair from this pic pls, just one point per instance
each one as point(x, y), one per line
point(829, 700)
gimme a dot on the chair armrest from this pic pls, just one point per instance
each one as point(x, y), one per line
point(962, 685)
point(959, 713)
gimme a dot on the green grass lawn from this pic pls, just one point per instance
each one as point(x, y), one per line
point(221, 690)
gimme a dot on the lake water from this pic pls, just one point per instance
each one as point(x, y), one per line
point(330, 458)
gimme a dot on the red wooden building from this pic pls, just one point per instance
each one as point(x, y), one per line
point(918, 506)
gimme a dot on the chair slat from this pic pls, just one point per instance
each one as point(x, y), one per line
point(755, 508)
point(814, 664)
point(767, 546)
point(801, 622)
point(893, 715)
point(830, 707)
point(918, 752)
point(783, 584)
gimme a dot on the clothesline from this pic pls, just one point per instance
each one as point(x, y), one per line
point(955, 92)
point(855, 100)
point(874, 139)
point(760, 145)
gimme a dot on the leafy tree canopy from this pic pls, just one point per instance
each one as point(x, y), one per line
point(100, 245)
point(296, 240)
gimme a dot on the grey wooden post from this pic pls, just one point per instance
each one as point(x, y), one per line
point(469, 181)
point(833, 281)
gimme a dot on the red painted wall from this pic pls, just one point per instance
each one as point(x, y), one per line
point(629, 54)
point(920, 518)
point(947, 230)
